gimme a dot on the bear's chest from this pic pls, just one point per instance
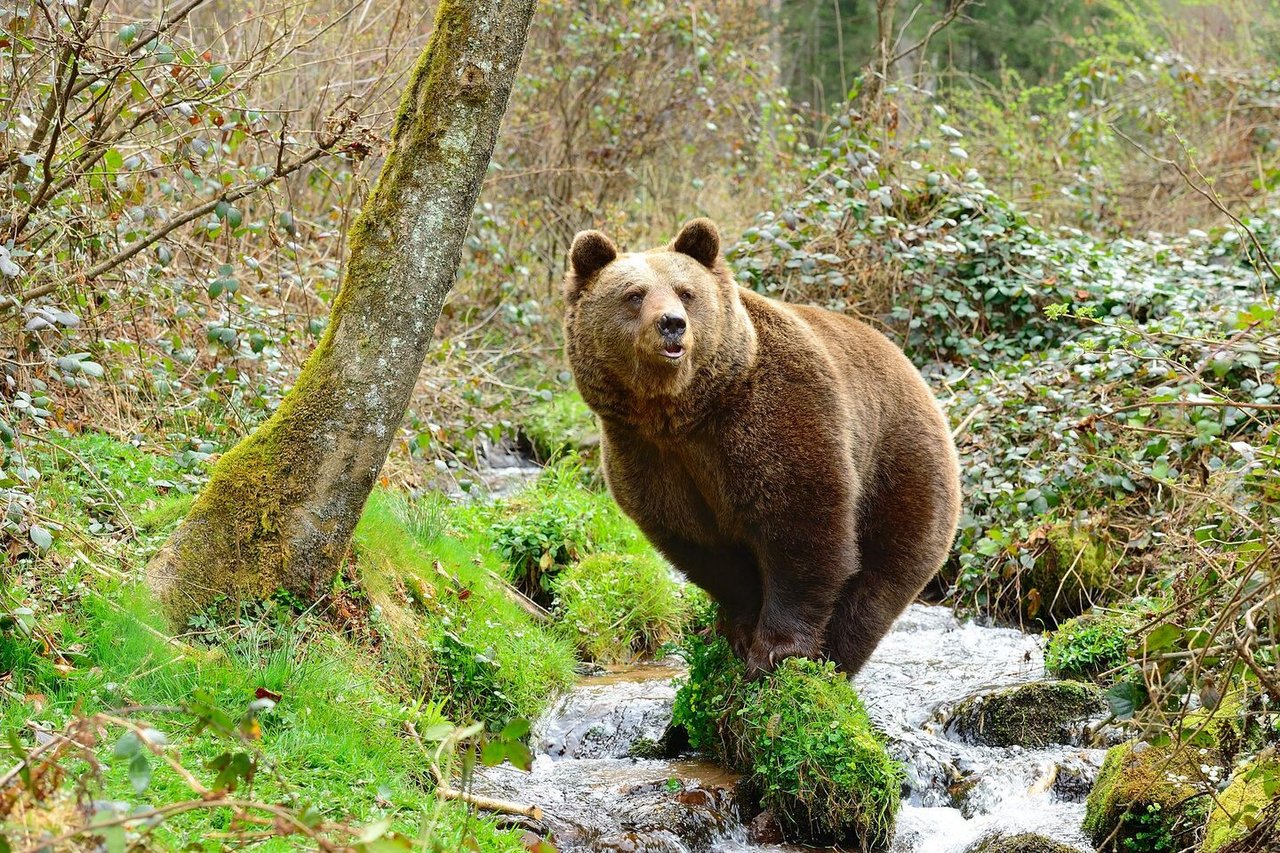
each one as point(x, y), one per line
point(683, 487)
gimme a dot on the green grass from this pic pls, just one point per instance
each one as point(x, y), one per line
point(619, 607)
point(338, 738)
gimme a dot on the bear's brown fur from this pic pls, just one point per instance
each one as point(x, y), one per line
point(789, 460)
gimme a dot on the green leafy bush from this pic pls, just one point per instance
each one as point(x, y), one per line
point(617, 607)
point(558, 423)
point(544, 529)
point(1089, 647)
point(802, 737)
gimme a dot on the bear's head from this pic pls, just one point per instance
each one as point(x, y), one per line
point(654, 322)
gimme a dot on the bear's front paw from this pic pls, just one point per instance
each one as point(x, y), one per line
point(771, 649)
point(738, 633)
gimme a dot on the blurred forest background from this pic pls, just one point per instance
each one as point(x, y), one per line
point(1064, 210)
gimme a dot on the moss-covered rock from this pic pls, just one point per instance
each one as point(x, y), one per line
point(803, 739)
point(1027, 842)
point(1091, 647)
point(1035, 714)
point(1071, 572)
point(1242, 810)
point(1235, 726)
point(619, 606)
point(1146, 800)
point(558, 425)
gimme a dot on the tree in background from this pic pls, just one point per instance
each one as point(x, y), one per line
point(827, 43)
point(281, 505)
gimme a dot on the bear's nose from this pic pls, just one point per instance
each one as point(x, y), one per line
point(671, 325)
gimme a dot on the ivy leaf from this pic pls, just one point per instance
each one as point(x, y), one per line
point(42, 538)
point(1162, 637)
point(1124, 699)
point(140, 771)
point(493, 753)
point(517, 729)
point(520, 756)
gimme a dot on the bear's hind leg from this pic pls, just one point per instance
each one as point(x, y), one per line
point(889, 581)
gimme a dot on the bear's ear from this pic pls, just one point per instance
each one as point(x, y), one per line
point(590, 253)
point(700, 240)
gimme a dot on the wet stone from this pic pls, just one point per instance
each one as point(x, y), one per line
point(1038, 714)
point(1075, 777)
point(605, 720)
point(764, 829)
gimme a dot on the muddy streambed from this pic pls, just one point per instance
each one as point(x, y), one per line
point(594, 797)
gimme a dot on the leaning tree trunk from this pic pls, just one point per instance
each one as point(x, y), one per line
point(281, 506)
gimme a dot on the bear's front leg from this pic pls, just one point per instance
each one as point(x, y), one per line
point(801, 584)
point(729, 575)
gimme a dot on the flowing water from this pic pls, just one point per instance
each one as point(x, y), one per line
point(594, 797)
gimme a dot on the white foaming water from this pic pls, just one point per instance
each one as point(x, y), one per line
point(925, 665)
point(594, 798)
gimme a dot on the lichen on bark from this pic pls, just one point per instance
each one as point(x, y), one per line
point(281, 505)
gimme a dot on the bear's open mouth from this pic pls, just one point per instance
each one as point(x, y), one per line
point(672, 351)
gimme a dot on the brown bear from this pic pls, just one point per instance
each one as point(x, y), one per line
point(788, 460)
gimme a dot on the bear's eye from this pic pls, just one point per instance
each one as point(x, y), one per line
point(635, 298)
point(686, 296)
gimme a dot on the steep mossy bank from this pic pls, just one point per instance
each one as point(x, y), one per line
point(801, 737)
point(449, 628)
point(420, 630)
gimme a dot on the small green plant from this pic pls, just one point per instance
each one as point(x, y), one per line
point(471, 679)
point(1091, 647)
point(708, 693)
point(545, 528)
point(619, 606)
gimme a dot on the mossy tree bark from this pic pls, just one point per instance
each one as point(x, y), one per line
point(281, 506)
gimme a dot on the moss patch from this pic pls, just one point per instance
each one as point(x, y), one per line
point(1069, 575)
point(1032, 715)
point(620, 606)
point(1026, 842)
point(1241, 810)
point(803, 739)
point(1146, 800)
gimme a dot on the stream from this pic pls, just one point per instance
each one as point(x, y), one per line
point(595, 798)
